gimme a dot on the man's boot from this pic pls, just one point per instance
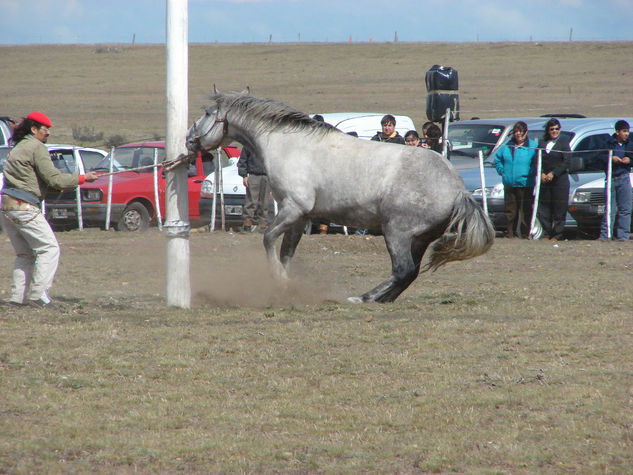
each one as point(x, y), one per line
point(247, 225)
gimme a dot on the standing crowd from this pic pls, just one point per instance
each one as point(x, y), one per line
point(517, 163)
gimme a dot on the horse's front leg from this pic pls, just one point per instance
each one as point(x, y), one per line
point(288, 220)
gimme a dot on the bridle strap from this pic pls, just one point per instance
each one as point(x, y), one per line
point(225, 128)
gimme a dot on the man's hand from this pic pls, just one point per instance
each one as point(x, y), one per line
point(91, 176)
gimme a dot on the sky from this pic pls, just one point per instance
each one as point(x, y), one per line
point(238, 21)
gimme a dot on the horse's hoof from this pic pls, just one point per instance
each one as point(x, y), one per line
point(355, 299)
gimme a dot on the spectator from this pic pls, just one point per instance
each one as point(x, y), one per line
point(412, 138)
point(251, 169)
point(389, 132)
point(515, 163)
point(620, 218)
point(28, 173)
point(554, 193)
point(432, 137)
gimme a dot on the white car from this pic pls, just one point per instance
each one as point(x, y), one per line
point(365, 124)
point(234, 195)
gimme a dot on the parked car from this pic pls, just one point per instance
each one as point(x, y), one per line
point(234, 195)
point(6, 129)
point(467, 138)
point(133, 205)
point(588, 205)
point(587, 137)
point(365, 124)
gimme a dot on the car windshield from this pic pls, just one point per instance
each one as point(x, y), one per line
point(131, 158)
point(533, 134)
point(469, 139)
point(64, 161)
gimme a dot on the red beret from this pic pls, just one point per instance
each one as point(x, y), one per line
point(40, 118)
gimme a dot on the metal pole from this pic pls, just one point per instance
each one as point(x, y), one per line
point(80, 218)
point(159, 217)
point(482, 176)
point(109, 200)
point(537, 192)
point(216, 172)
point(445, 133)
point(221, 187)
point(609, 184)
point(177, 226)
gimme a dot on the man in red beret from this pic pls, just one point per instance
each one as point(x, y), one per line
point(28, 174)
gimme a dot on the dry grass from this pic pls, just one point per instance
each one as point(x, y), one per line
point(516, 362)
point(123, 93)
point(497, 365)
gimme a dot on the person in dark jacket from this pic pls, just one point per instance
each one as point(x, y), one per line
point(389, 133)
point(253, 173)
point(554, 192)
point(621, 194)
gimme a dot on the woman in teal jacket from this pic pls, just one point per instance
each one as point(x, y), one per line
point(516, 163)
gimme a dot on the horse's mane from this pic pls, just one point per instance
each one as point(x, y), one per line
point(264, 114)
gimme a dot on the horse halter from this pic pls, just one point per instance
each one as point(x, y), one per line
point(225, 129)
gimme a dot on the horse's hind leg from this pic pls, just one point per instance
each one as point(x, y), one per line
point(406, 254)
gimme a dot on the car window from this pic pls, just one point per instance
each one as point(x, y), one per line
point(64, 161)
point(208, 161)
point(128, 158)
point(91, 159)
point(589, 149)
point(469, 139)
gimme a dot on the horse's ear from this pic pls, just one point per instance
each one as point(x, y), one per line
point(215, 89)
point(246, 91)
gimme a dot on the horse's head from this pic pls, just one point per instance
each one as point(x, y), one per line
point(208, 131)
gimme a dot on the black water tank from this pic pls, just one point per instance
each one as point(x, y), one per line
point(441, 87)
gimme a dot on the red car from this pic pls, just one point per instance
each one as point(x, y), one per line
point(133, 200)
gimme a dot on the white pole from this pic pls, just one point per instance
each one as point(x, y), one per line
point(537, 192)
point(159, 216)
point(445, 133)
point(482, 176)
point(80, 218)
point(216, 172)
point(177, 226)
point(607, 210)
point(109, 200)
point(221, 187)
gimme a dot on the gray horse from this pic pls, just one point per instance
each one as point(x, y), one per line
point(411, 194)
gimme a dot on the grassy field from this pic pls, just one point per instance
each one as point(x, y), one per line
point(516, 362)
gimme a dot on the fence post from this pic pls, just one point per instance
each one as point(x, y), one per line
point(537, 192)
point(159, 217)
point(445, 133)
point(109, 200)
point(221, 187)
point(609, 184)
point(482, 177)
point(80, 217)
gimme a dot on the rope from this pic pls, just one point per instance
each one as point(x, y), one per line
point(168, 164)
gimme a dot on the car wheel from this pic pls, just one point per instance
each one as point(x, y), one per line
point(135, 217)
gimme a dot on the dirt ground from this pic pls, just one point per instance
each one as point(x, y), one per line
point(99, 268)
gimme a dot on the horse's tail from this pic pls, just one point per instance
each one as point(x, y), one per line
point(469, 234)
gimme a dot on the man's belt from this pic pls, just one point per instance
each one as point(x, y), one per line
point(9, 203)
